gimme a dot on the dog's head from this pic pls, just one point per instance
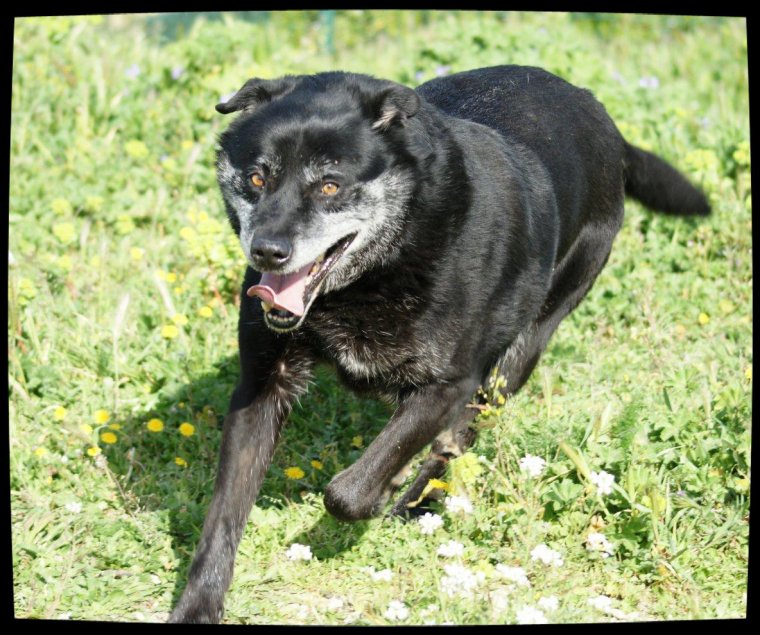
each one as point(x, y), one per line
point(316, 177)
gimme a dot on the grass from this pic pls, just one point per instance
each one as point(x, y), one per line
point(122, 292)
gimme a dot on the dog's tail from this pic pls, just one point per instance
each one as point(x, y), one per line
point(661, 187)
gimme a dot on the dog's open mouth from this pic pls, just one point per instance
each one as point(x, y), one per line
point(286, 298)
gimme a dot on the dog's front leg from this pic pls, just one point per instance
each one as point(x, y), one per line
point(249, 438)
point(358, 491)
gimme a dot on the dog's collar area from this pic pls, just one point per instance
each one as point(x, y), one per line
point(286, 299)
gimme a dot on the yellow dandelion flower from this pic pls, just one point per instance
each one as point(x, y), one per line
point(317, 465)
point(703, 318)
point(136, 149)
point(171, 277)
point(169, 331)
point(187, 144)
point(180, 461)
point(59, 414)
point(101, 416)
point(435, 483)
point(186, 429)
point(179, 319)
point(108, 437)
point(187, 233)
point(115, 426)
point(748, 373)
point(155, 425)
point(65, 232)
point(205, 311)
point(137, 253)
point(726, 306)
point(180, 290)
point(40, 452)
point(741, 484)
point(93, 450)
point(357, 441)
point(61, 207)
point(94, 203)
point(86, 428)
point(294, 473)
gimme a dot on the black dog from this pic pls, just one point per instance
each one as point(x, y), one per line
point(415, 240)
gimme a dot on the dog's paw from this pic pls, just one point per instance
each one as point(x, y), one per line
point(344, 501)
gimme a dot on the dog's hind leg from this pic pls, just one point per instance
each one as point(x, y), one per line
point(573, 277)
point(450, 444)
point(358, 491)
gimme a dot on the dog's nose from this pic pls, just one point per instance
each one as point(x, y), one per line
point(268, 253)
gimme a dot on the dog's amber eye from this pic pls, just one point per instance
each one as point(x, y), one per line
point(257, 180)
point(329, 188)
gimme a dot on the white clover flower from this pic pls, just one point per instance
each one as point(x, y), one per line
point(384, 575)
point(460, 581)
point(598, 542)
point(499, 600)
point(451, 549)
point(458, 504)
point(530, 615)
point(532, 465)
point(601, 602)
point(546, 555)
point(549, 603)
point(396, 611)
point(298, 552)
point(334, 603)
point(74, 507)
point(604, 604)
point(513, 574)
point(429, 523)
point(603, 481)
point(649, 81)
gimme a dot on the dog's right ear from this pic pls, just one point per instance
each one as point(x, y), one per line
point(256, 92)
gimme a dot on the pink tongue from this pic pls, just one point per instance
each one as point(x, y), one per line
point(283, 292)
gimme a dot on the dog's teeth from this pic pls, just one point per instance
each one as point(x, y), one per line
point(320, 258)
point(314, 269)
point(266, 306)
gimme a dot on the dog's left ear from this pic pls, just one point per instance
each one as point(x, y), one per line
point(395, 105)
point(256, 92)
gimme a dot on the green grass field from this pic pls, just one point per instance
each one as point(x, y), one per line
point(122, 322)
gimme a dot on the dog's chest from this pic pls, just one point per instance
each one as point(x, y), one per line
point(380, 346)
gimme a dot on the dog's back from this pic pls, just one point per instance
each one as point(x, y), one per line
point(564, 125)
point(590, 163)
